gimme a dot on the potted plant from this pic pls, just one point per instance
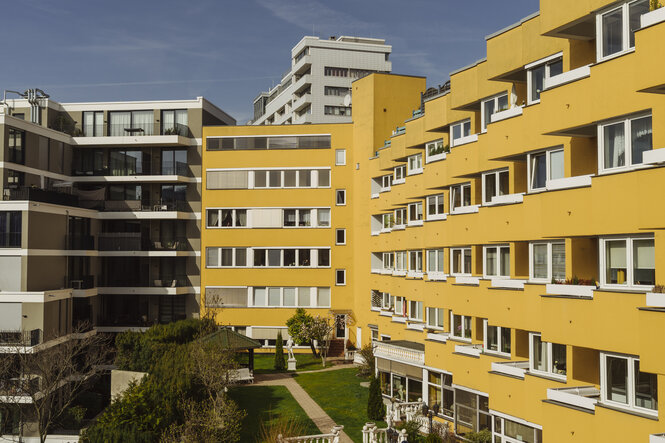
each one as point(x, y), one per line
point(575, 286)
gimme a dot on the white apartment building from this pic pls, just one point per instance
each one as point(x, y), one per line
point(317, 88)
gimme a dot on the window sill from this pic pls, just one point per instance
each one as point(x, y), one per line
point(436, 276)
point(498, 354)
point(384, 313)
point(634, 412)
point(399, 319)
point(415, 223)
point(415, 326)
point(384, 190)
point(570, 290)
point(652, 18)
point(436, 217)
point(438, 337)
point(374, 196)
point(459, 339)
point(399, 227)
point(414, 172)
point(375, 309)
point(508, 199)
point(399, 273)
point(613, 56)
point(467, 280)
point(506, 114)
point(399, 181)
point(435, 158)
point(567, 77)
point(415, 275)
point(471, 209)
point(506, 283)
point(464, 140)
point(579, 181)
point(548, 376)
point(653, 156)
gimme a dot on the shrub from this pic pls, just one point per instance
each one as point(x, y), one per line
point(72, 417)
point(433, 438)
point(376, 410)
point(279, 365)
point(412, 431)
point(484, 436)
point(285, 426)
point(367, 366)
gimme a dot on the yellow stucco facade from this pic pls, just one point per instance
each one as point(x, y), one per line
point(554, 178)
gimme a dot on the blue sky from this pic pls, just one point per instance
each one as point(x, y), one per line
point(227, 51)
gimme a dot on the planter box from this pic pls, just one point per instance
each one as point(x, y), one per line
point(467, 280)
point(655, 300)
point(579, 181)
point(437, 337)
point(508, 113)
point(567, 77)
point(655, 155)
point(653, 17)
point(507, 283)
point(572, 290)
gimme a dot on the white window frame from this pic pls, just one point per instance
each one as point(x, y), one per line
point(339, 192)
point(495, 100)
point(417, 272)
point(438, 200)
point(400, 213)
point(400, 261)
point(499, 338)
point(387, 301)
point(551, 372)
point(387, 222)
point(433, 320)
point(630, 387)
point(497, 271)
point(418, 208)
point(319, 225)
point(630, 278)
point(463, 253)
point(248, 256)
point(436, 144)
point(234, 218)
point(417, 166)
point(549, 260)
point(463, 318)
point(463, 189)
point(399, 305)
point(497, 173)
point(338, 273)
point(438, 262)
point(386, 182)
point(337, 231)
point(462, 125)
point(374, 334)
point(388, 259)
point(312, 219)
point(546, 63)
point(417, 306)
point(399, 174)
point(625, 37)
point(500, 436)
point(628, 142)
point(548, 165)
point(338, 161)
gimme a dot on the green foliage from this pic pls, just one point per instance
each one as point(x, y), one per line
point(654, 4)
point(376, 410)
point(297, 326)
point(138, 351)
point(366, 369)
point(412, 431)
point(484, 436)
point(433, 438)
point(72, 417)
point(280, 364)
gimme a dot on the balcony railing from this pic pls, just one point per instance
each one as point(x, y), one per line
point(133, 241)
point(40, 195)
point(21, 338)
point(10, 239)
point(80, 242)
point(143, 282)
point(125, 129)
point(81, 282)
point(135, 205)
point(145, 168)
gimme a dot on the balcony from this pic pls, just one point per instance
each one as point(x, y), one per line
point(507, 113)
point(135, 205)
point(567, 77)
point(133, 241)
point(142, 169)
point(301, 102)
point(40, 195)
point(584, 397)
point(21, 338)
point(470, 350)
point(127, 129)
point(144, 282)
point(80, 242)
point(303, 82)
point(81, 282)
point(515, 369)
point(401, 350)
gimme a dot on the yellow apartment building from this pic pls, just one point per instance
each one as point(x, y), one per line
point(503, 237)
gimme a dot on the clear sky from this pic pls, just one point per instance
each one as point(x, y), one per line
point(227, 51)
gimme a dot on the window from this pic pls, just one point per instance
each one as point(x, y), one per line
point(268, 142)
point(622, 143)
point(623, 384)
point(537, 75)
point(261, 178)
point(415, 213)
point(492, 106)
point(226, 218)
point(497, 261)
point(330, 71)
point(510, 431)
point(340, 236)
point(388, 262)
point(415, 164)
point(416, 261)
point(337, 110)
point(387, 301)
point(400, 261)
point(400, 174)
point(435, 318)
point(336, 91)
point(495, 184)
point(340, 277)
point(471, 411)
point(435, 261)
point(123, 123)
point(93, 123)
point(616, 28)
point(15, 179)
point(434, 151)
point(10, 229)
point(301, 218)
point(547, 262)
point(435, 207)
point(16, 145)
point(459, 131)
point(226, 257)
point(375, 334)
point(627, 262)
point(460, 196)
point(388, 221)
point(174, 122)
point(174, 162)
point(444, 397)
point(543, 167)
point(460, 261)
point(324, 178)
point(323, 217)
point(460, 326)
point(400, 217)
point(386, 180)
point(340, 157)
point(400, 305)
point(340, 197)
point(324, 258)
point(416, 310)
point(547, 358)
point(497, 339)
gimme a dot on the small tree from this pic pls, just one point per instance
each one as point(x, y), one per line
point(376, 410)
point(368, 364)
point(299, 327)
point(320, 330)
point(280, 365)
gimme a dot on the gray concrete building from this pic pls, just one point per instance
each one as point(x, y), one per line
point(317, 87)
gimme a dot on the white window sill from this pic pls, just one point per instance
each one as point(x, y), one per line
point(615, 55)
point(414, 172)
point(495, 353)
point(512, 369)
point(552, 375)
point(440, 337)
point(464, 140)
point(459, 339)
point(415, 326)
point(470, 350)
point(399, 181)
point(471, 209)
point(375, 233)
point(375, 195)
point(506, 114)
point(581, 397)
point(385, 230)
point(385, 313)
point(507, 283)
point(436, 217)
point(579, 181)
point(415, 223)
point(507, 199)
point(399, 273)
point(655, 155)
point(414, 274)
point(572, 290)
point(399, 319)
point(567, 77)
point(399, 227)
point(386, 271)
point(385, 189)
point(653, 17)
point(375, 309)
point(376, 271)
point(625, 288)
point(625, 169)
point(467, 280)
point(628, 409)
point(436, 158)
point(436, 276)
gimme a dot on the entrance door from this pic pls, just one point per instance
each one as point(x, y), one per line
point(340, 326)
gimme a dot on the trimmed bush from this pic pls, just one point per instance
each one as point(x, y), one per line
point(280, 364)
point(376, 410)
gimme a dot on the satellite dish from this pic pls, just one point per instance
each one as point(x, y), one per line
point(347, 100)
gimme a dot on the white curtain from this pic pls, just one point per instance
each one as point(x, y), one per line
point(614, 140)
point(144, 120)
point(118, 121)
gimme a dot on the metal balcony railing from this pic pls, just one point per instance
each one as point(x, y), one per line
point(21, 338)
point(80, 242)
point(133, 241)
point(40, 195)
point(135, 205)
point(144, 282)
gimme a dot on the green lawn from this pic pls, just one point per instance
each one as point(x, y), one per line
point(263, 363)
point(339, 394)
point(267, 404)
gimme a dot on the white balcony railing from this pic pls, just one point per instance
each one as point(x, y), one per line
point(579, 181)
point(584, 397)
point(567, 77)
point(508, 113)
point(332, 437)
point(513, 368)
point(470, 350)
point(392, 352)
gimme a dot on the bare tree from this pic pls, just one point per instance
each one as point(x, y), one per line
point(320, 329)
point(43, 381)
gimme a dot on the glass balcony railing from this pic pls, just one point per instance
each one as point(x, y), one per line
point(135, 205)
point(133, 241)
point(40, 195)
point(127, 129)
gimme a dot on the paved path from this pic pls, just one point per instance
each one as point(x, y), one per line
point(311, 408)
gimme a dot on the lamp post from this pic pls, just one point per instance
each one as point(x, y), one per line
point(429, 413)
